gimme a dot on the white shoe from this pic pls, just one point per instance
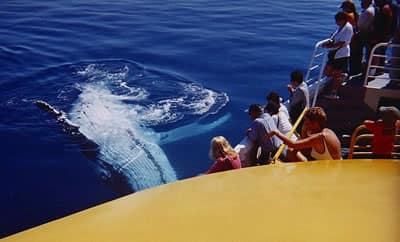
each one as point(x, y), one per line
point(332, 96)
point(344, 77)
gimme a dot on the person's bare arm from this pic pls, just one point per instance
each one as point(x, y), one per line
point(298, 144)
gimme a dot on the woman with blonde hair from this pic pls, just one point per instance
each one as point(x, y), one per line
point(224, 155)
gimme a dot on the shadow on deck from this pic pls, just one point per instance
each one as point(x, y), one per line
point(347, 112)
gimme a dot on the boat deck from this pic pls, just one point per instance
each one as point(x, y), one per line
point(359, 102)
point(354, 106)
point(347, 112)
point(349, 200)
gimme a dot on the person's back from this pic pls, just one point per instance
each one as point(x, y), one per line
point(224, 164)
point(261, 125)
point(224, 155)
point(384, 130)
point(382, 22)
point(331, 147)
point(299, 95)
point(384, 135)
point(280, 117)
point(365, 23)
point(274, 97)
point(362, 38)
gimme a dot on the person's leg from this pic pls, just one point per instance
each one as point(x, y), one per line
point(368, 47)
point(295, 156)
point(264, 158)
point(381, 60)
point(340, 70)
point(356, 54)
point(337, 81)
point(328, 70)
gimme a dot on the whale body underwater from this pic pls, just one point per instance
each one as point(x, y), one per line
point(127, 154)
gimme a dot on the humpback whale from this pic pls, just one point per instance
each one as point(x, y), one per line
point(112, 119)
point(129, 161)
point(128, 154)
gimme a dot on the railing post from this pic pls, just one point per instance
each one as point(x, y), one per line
point(371, 57)
point(321, 72)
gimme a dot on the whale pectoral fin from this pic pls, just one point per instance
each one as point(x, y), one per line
point(190, 130)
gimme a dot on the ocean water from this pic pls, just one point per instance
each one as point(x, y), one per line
point(142, 87)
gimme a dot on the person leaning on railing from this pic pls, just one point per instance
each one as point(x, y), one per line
point(339, 52)
point(262, 123)
point(299, 95)
point(323, 142)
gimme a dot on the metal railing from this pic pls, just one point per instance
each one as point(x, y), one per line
point(385, 66)
point(361, 143)
point(320, 65)
point(317, 62)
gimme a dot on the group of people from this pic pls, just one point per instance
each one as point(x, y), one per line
point(349, 45)
point(272, 123)
point(269, 128)
point(357, 34)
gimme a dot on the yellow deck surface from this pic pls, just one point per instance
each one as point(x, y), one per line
point(349, 200)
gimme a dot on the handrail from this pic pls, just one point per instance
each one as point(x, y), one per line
point(353, 140)
point(314, 54)
point(321, 71)
point(371, 57)
point(356, 136)
point(312, 67)
point(282, 147)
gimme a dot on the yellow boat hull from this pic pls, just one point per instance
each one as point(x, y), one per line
point(348, 200)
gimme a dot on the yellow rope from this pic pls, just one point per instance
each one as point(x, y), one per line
point(275, 159)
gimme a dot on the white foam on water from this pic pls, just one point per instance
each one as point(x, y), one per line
point(203, 99)
point(125, 145)
point(95, 71)
point(193, 100)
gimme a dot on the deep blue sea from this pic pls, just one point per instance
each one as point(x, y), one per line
point(147, 84)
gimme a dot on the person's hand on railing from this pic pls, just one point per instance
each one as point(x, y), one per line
point(328, 44)
point(290, 89)
point(248, 131)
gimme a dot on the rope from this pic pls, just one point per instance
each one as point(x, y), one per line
point(275, 159)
